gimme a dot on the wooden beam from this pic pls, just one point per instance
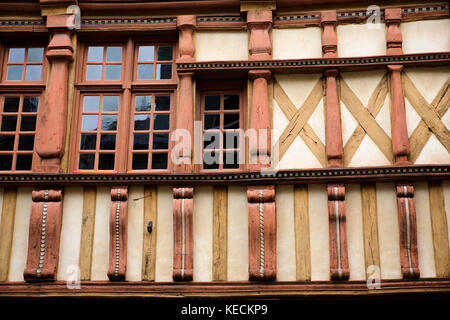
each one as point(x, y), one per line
point(220, 225)
point(440, 230)
point(87, 232)
point(370, 224)
point(149, 246)
point(7, 230)
point(301, 221)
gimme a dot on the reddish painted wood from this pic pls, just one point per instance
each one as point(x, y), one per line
point(186, 25)
point(183, 233)
point(118, 231)
point(392, 18)
point(406, 206)
point(262, 232)
point(328, 21)
point(259, 23)
point(339, 267)
point(44, 235)
point(260, 146)
point(50, 140)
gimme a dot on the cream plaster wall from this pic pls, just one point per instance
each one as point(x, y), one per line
point(297, 43)
point(221, 45)
point(319, 232)
point(100, 250)
point(203, 228)
point(286, 263)
point(424, 233)
point(358, 40)
point(135, 233)
point(237, 266)
point(69, 249)
point(388, 235)
point(19, 249)
point(164, 236)
point(426, 36)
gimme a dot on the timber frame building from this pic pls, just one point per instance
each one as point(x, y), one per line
point(111, 113)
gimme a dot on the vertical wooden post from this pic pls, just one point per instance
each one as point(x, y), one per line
point(220, 225)
point(118, 229)
point(7, 230)
point(44, 235)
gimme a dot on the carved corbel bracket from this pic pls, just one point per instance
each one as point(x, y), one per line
point(262, 232)
point(186, 25)
point(259, 22)
point(393, 18)
point(44, 235)
point(183, 232)
point(118, 229)
point(328, 21)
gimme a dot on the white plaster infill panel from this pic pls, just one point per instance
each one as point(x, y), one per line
point(221, 45)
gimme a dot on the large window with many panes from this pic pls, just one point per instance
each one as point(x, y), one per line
point(124, 107)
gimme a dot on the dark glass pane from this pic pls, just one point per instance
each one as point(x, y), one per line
point(161, 122)
point(16, 55)
point(28, 123)
point(146, 53)
point(211, 140)
point(231, 121)
point(106, 161)
point(211, 160)
point(6, 161)
point(88, 141)
point(160, 141)
point(26, 142)
point(33, 73)
point(140, 141)
point(9, 123)
point(112, 72)
point(162, 103)
point(140, 161)
point(107, 142)
point(231, 140)
point(145, 71)
point(163, 71)
point(91, 103)
point(23, 161)
point(14, 73)
point(212, 102)
point(231, 101)
point(94, 72)
point(164, 53)
point(110, 103)
point(30, 104)
point(89, 123)
point(11, 104)
point(86, 161)
point(142, 122)
point(159, 161)
point(95, 54)
point(230, 160)
point(109, 122)
point(35, 54)
point(143, 103)
point(212, 121)
point(114, 54)
point(6, 143)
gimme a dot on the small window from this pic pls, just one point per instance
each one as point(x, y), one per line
point(154, 62)
point(24, 64)
point(104, 63)
point(18, 120)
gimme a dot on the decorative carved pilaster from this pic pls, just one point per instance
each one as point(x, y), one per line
point(183, 233)
point(260, 143)
point(259, 23)
point(44, 235)
point(118, 229)
point(392, 18)
point(328, 21)
point(262, 232)
point(186, 25)
point(409, 257)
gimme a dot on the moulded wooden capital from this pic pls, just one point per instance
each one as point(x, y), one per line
point(187, 21)
point(60, 21)
point(255, 74)
point(259, 17)
point(328, 17)
point(60, 47)
point(331, 73)
point(395, 67)
point(392, 15)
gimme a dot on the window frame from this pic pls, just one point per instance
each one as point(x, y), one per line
point(139, 43)
point(5, 57)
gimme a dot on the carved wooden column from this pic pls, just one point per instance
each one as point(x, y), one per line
point(183, 231)
point(44, 235)
point(409, 258)
point(339, 268)
point(262, 232)
point(118, 229)
point(259, 23)
point(50, 138)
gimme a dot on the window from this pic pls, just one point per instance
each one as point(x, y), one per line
point(24, 64)
point(222, 124)
point(18, 115)
point(154, 62)
point(104, 63)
